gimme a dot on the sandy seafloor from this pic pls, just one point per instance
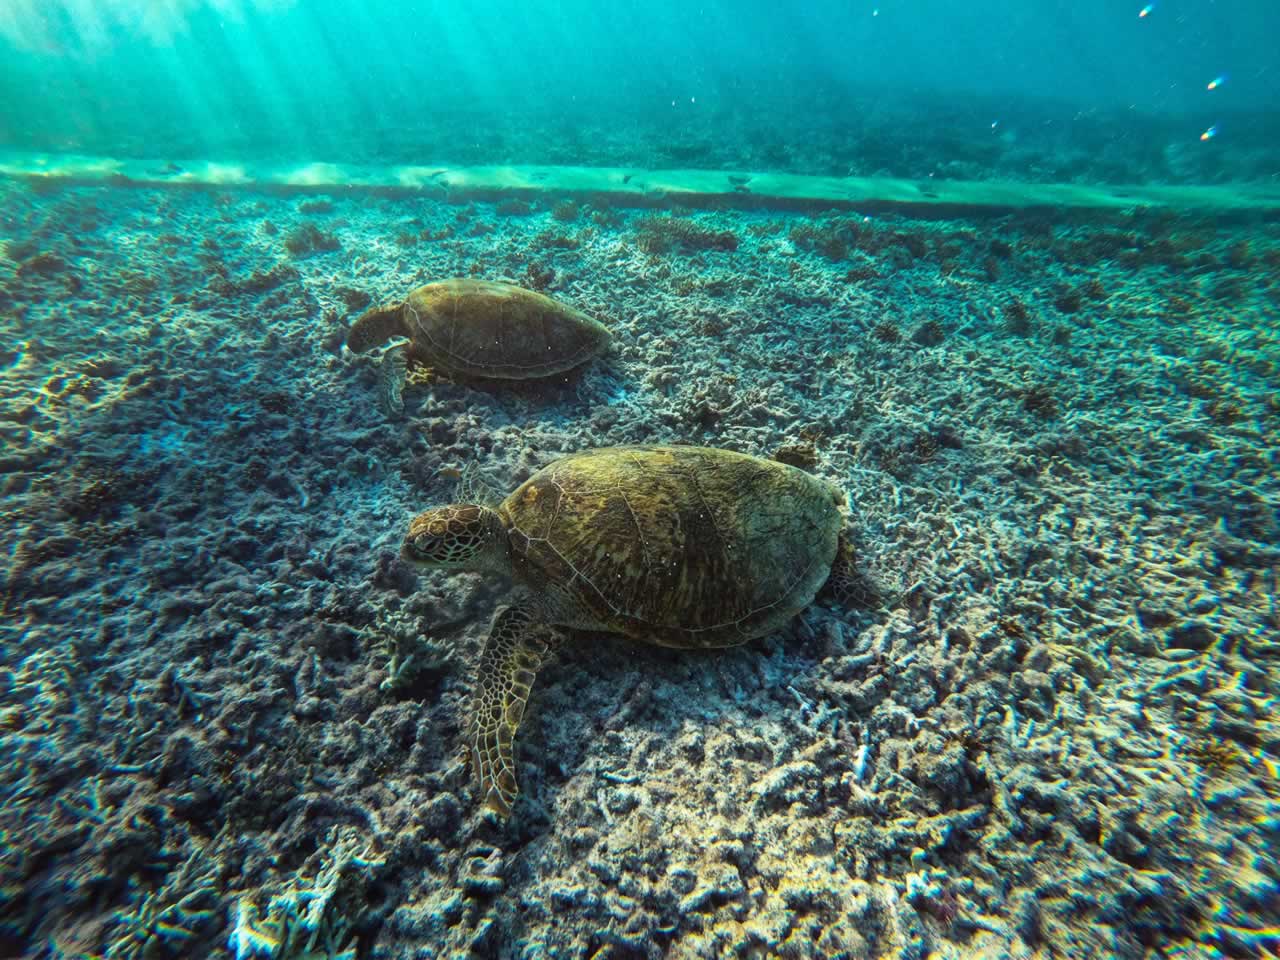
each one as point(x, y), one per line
point(228, 708)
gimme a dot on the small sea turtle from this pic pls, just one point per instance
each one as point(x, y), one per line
point(477, 328)
point(684, 547)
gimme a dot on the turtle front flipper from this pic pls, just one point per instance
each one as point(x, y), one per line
point(393, 372)
point(519, 643)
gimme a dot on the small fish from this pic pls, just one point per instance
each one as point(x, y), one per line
point(453, 473)
point(1216, 82)
point(1210, 133)
point(1146, 10)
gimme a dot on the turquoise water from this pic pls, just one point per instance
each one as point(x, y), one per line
point(364, 594)
point(908, 89)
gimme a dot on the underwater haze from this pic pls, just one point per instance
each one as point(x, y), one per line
point(602, 481)
point(908, 89)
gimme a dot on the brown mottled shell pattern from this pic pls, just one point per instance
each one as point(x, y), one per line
point(487, 329)
point(680, 546)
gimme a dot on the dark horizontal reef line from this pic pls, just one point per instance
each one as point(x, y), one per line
point(656, 189)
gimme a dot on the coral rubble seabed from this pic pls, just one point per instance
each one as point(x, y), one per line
point(231, 716)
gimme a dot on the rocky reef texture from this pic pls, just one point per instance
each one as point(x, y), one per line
point(231, 716)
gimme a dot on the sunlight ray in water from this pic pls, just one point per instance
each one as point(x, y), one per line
point(639, 480)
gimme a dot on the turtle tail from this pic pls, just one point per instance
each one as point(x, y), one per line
point(376, 326)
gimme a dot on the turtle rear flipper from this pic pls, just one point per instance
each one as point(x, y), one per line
point(518, 644)
point(848, 586)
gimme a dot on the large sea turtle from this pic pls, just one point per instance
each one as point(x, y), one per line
point(677, 546)
point(478, 328)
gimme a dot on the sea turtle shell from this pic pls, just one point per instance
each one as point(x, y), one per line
point(680, 546)
point(484, 328)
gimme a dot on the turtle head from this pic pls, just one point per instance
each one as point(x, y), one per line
point(376, 326)
point(461, 536)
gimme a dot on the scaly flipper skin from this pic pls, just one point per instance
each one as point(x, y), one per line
point(392, 374)
point(519, 643)
point(847, 586)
